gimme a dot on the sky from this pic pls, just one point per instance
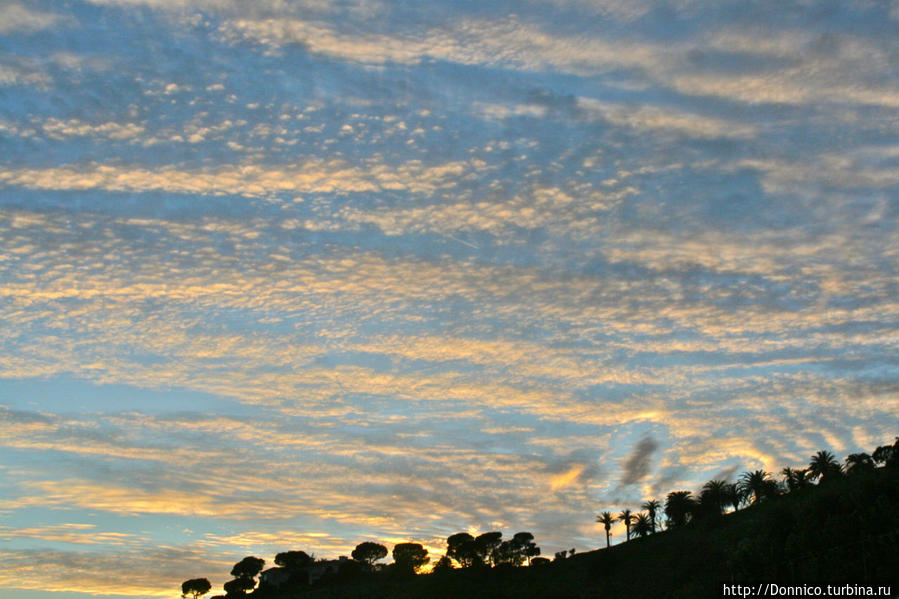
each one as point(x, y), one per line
point(282, 275)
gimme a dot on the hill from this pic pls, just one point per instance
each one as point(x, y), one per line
point(842, 532)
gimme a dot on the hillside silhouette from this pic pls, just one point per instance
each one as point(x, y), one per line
point(830, 523)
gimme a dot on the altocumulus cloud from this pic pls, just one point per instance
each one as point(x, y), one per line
point(279, 276)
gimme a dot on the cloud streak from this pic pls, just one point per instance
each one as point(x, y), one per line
point(639, 462)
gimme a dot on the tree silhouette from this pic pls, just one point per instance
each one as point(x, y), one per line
point(462, 548)
point(642, 524)
point(824, 467)
point(293, 560)
point(248, 567)
point(525, 545)
point(409, 557)
point(444, 564)
point(244, 573)
point(652, 507)
point(486, 545)
point(195, 587)
point(606, 519)
point(757, 484)
point(368, 553)
point(795, 531)
point(507, 553)
point(714, 496)
point(628, 518)
point(795, 478)
point(802, 478)
point(887, 455)
point(239, 586)
point(563, 555)
point(882, 454)
point(296, 565)
point(858, 463)
point(734, 495)
point(679, 506)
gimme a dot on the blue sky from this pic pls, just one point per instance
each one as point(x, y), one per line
point(298, 275)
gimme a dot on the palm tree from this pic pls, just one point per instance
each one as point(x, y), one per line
point(714, 494)
point(758, 484)
point(679, 506)
point(606, 519)
point(734, 495)
point(824, 467)
point(651, 506)
point(789, 475)
point(795, 478)
point(627, 517)
point(642, 524)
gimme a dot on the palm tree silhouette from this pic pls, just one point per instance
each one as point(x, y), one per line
point(679, 506)
point(795, 478)
point(714, 493)
point(642, 524)
point(627, 517)
point(824, 466)
point(758, 484)
point(606, 519)
point(734, 495)
point(651, 506)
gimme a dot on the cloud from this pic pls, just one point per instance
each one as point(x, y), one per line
point(60, 129)
point(652, 118)
point(540, 208)
point(152, 571)
point(830, 171)
point(503, 111)
point(361, 285)
point(564, 479)
point(793, 71)
point(16, 18)
point(118, 500)
point(313, 176)
point(382, 252)
point(511, 43)
point(638, 464)
point(16, 71)
point(72, 533)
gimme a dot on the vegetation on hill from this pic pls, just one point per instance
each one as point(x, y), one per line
point(825, 524)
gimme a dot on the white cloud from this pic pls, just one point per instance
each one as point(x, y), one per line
point(651, 118)
point(312, 176)
point(511, 43)
point(16, 18)
point(13, 73)
point(807, 78)
point(61, 129)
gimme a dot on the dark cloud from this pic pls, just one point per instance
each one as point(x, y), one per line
point(10, 417)
point(562, 104)
point(670, 475)
point(726, 473)
point(637, 466)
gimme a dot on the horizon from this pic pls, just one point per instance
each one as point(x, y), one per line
point(299, 275)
